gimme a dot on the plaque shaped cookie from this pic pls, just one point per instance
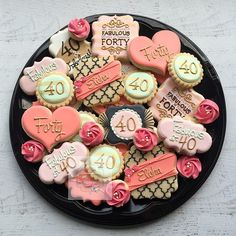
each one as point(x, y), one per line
point(184, 136)
point(171, 101)
point(67, 48)
point(120, 122)
point(161, 189)
point(87, 65)
point(111, 35)
point(109, 94)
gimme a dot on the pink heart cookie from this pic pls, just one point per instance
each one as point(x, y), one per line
point(184, 136)
point(154, 54)
point(68, 160)
point(50, 128)
point(39, 69)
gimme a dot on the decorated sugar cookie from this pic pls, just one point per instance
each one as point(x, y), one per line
point(82, 67)
point(186, 70)
point(91, 134)
point(84, 187)
point(67, 48)
point(39, 69)
point(55, 90)
point(111, 35)
point(184, 136)
point(140, 87)
point(171, 101)
point(145, 139)
point(121, 122)
point(33, 151)
point(51, 128)
point(118, 193)
point(154, 54)
point(207, 112)
point(79, 29)
point(105, 163)
point(189, 166)
point(65, 161)
point(158, 189)
point(103, 86)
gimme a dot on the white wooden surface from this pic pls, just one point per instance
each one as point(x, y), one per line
point(24, 25)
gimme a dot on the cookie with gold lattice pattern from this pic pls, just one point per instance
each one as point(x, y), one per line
point(161, 189)
point(82, 67)
point(109, 94)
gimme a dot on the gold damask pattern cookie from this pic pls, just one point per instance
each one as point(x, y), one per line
point(107, 95)
point(161, 189)
point(82, 67)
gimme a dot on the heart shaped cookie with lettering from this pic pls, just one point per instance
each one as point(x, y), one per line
point(154, 54)
point(51, 128)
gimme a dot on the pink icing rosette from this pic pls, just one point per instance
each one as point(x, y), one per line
point(79, 28)
point(33, 151)
point(145, 139)
point(91, 133)
point(189, 166)
point(207, 112)
point(117, 192)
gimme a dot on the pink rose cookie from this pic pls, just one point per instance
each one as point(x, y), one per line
point(111, 35)
point(63, 46)
point(154, 54)
point(118, 193)
point(189, 167)
point(207, 112)
point(51, 128)
point(145, 139)
point(84, 187)
point(68, 160)
point(33, 151)
point(79, 29)
point(121, 122)
point(39, 69)
point(171, 101)
point(92, 134)
point(184, 136)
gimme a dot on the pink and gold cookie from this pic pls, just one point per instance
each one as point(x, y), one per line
point(80, 68)
point(84, 187)
point(39, 69)
point(171, 101)
point(161, 186)
point(111, 35)
point(105, 163)
point(186, 70)
point(51, 128)
point(103, 86)
point(154, 54)
point(121, 122)
point(140, 87)
point(68, 160)
point(63, 46)
point(55, 90)
point(184, 136)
